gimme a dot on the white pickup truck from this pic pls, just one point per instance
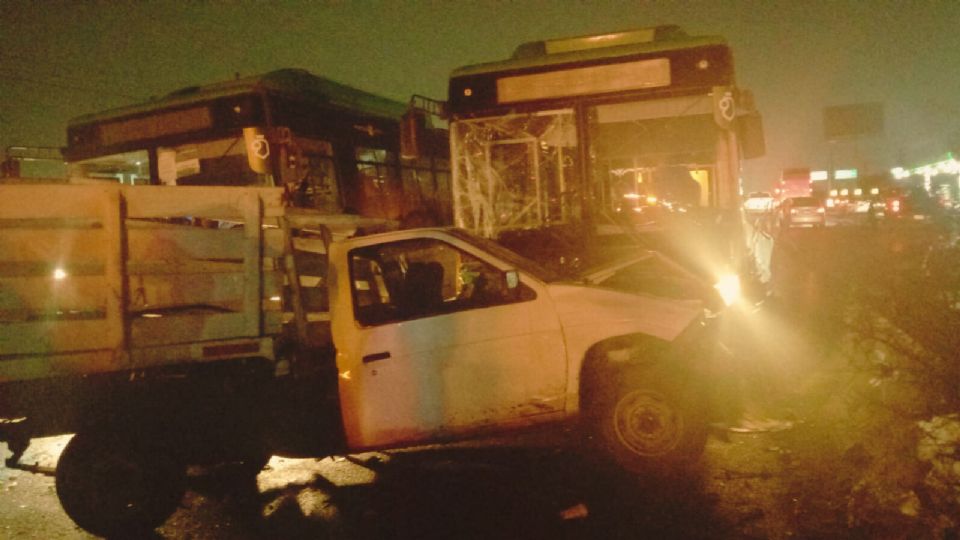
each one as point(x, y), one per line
point(163, 343)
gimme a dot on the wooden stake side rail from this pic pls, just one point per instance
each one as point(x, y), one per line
point(106, 277)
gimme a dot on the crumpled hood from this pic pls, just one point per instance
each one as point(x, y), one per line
point(593, 313)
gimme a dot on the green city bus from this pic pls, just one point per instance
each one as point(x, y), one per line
point(330, 146)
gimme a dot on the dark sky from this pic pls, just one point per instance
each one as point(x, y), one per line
point(63, 59)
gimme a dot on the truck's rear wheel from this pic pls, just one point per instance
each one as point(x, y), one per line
point(112, 487)
point(653, 423)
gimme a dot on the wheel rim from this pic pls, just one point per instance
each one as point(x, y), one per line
point(647, 424)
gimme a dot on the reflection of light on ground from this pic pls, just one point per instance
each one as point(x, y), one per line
point(301, 482)
point(769, 355)
point(44, 452)
point(281, 471)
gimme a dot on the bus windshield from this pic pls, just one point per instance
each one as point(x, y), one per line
point(527, 167)
point(127, 167)
point(568, 130)
point(643, 157)
point(213, 162)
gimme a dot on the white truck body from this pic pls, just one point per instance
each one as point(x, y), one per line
point(463, 370)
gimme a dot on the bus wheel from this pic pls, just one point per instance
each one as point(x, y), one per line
point(112, 487)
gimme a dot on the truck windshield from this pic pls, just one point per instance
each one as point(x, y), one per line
point(519, 262)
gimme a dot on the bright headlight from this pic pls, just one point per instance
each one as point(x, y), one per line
point(728, 286)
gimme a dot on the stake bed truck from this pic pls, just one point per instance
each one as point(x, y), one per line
point(174, 326)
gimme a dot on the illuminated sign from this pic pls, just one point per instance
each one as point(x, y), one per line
point(819, 175)
point(149, 127)
point(845, 174)
point(584, 81)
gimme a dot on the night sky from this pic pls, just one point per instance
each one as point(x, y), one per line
point(63, 59)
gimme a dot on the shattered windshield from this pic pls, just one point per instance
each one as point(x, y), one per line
point(516, 171)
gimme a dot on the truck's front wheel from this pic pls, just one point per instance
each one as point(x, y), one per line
point(114, 487)
point(652, 424)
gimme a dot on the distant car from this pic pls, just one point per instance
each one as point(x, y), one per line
point(802, 212)
point(759, 201)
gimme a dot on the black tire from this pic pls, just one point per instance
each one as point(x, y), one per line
point(114, 488)
point(255, 463)
point(652, 424)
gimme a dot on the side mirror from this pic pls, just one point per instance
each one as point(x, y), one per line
point(512, 279)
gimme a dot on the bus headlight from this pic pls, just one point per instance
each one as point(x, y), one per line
point(728, 286)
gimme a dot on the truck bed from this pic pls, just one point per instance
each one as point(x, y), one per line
point(104, 278)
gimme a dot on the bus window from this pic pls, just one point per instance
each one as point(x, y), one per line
point(311, 175)
point(126, 168)
point(379, 185)
point(444, 198)
point(669, 145)
point(418, 187)
point(218, 162)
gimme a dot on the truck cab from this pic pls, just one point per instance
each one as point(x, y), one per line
point(440, 334)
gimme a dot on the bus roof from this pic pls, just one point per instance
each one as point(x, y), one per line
point(591, 48)
point(296, 83)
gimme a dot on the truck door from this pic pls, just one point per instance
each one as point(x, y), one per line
point(432, 343)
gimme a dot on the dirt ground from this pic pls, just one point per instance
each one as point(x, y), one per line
point(792, 468)
point(790, 483)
